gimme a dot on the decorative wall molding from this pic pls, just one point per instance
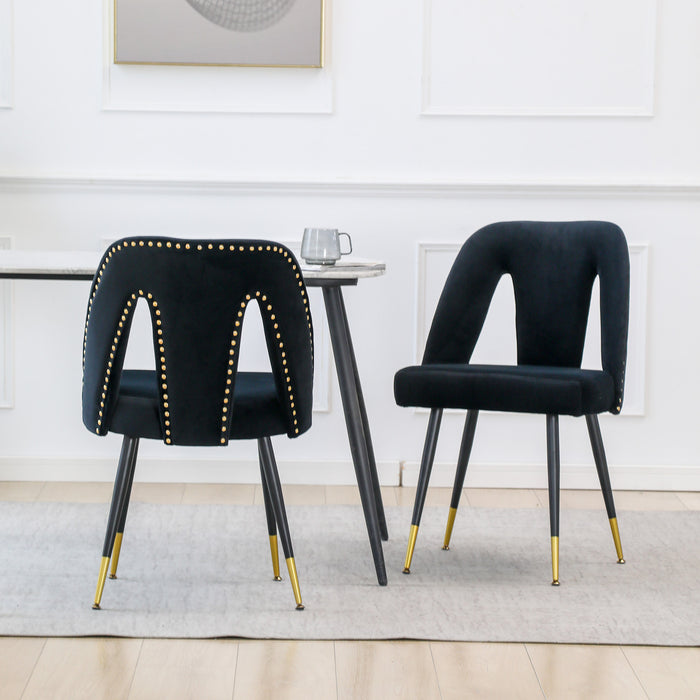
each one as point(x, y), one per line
point(214, 89)
point(6, 54)
point(6, 337)
point(363, 186)
point(592, 59)
point(499, 322)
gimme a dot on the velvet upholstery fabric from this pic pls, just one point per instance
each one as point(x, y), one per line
point(197, 292)
point(256, 407)
point(523, 388)
point(552, 266)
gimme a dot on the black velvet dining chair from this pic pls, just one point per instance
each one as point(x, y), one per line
point(553, 267)
point(197, 292)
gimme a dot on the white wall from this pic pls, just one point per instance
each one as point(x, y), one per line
point(395, 145)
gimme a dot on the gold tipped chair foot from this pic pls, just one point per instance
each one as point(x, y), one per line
point(292, 568)
point(101, 583)
point(616, 539)
point(115, 554)
point(448, 530)
point(555, 561)
point(409, 550)
point(274, 553)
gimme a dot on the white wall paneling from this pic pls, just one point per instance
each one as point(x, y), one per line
point(224, 89)
point(6, 337)
point(542, 57)
point(6, 54)
point(497, 344)
point(91, 150)
point(652, 446)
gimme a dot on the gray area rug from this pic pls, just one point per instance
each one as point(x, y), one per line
point(204, 571)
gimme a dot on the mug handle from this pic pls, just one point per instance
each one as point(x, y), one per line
point(346, 252)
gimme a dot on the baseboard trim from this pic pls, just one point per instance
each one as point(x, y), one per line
point(534, 476)
point(338, 473)
point(196, 471)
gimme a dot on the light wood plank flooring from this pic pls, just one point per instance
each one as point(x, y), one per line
point(241, 669)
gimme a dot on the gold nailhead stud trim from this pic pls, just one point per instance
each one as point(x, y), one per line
point(131, 243)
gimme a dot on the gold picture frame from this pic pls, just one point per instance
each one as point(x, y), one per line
point(266, 33)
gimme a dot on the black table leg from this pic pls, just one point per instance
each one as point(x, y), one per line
point(365, 427)
point(340, 340)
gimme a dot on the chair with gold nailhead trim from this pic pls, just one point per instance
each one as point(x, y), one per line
point(553, 267)
point(197, 293)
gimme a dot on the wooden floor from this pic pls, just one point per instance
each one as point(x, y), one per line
point(38, 668)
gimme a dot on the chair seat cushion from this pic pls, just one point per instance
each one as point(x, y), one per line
point(523, 389)
point(256, 410)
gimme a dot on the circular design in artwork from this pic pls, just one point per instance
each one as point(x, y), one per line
point(243, 15)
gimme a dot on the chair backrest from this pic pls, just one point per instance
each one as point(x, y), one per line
point(553, 266)
point(197, 292)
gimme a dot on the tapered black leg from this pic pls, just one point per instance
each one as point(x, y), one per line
point(353, 422)
point(123, 510)
point(119, 496)
point(272, 479)
point(553, 469)
point(426, 466)
point(365, 428)
point(462, 463)
point(271, 524)
point(601, 464)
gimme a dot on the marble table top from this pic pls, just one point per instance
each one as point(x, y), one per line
point(83, 263)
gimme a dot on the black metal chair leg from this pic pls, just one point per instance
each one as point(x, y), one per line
point(601, 465)
point(119, 495)
point(462, 463)
point(121, 523)
point(269, 466)
point(426, 466)
point(271, 524)
point(553, 469)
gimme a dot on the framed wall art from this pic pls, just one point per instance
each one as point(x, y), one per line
point(284, 33)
